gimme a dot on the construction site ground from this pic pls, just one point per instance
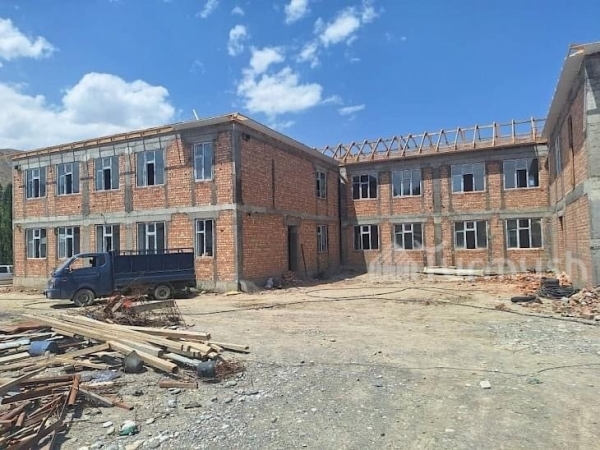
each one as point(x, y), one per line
point(355, 363)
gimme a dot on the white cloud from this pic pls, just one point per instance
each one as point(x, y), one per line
point(344, 26)
point(278, 93)
point(349, 110)
point(368, 14)
point(237, 36)
point(99, 104)
point(14, 44)
point(209, 8)
point(296, 10)
point(310, 53)
point(263, 58)
point(341, 28)
point(238, 11)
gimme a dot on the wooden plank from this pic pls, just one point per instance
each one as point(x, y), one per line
point(45, 361)
point(147, 358)
point(10, 415)
point(105, 333)
point(166, 384)
point(181, 334)
point(123, 405)
point(73, 393)
point(31, 336)
point(14, 358)
point(22, 326)
point(85, 351)
point(233, 347)
point(98, 399)
point(193, 347)
point(14, 344)
point(215, 347)
point(34, 393)
point(88, 364)
point(47, 380)
point(8, 386)
point(128, 337)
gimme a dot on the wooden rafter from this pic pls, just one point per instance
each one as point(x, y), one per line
point(459, 139)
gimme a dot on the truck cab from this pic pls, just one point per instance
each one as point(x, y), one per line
point(81, 278)
point(87, 276)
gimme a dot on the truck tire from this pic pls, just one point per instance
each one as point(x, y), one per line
point(84, 297)
point(162, 292)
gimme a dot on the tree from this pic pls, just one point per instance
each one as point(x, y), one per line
point(6, 237)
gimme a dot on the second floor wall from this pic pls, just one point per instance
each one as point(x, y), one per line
point(452, 183)
point(199, 168)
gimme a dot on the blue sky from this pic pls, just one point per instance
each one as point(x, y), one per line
point(320, 71)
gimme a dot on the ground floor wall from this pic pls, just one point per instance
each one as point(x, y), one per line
point(273, 244)
point(572, 253)
point(439, 246)
point(216, 270)
point(247, 245)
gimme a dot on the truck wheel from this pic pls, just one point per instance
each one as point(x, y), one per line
point(162, 292)
point(83, 297)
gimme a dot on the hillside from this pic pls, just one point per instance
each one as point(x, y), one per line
point(5, 165)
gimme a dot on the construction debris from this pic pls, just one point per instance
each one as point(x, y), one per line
point(33, 409)
point(585, 304)
point(82, 342)
point(137, 310)
point(527, 283)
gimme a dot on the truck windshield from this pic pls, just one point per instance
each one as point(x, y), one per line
point(65, 264)
point(81, 262)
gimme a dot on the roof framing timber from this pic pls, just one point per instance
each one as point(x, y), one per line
point(459, 139)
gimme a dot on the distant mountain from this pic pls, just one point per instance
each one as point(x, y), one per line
point(5, 165)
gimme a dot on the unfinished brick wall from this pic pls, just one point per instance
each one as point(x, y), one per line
point(571, 227)
point(494, 205)
point(180, 190)
point(278, 186)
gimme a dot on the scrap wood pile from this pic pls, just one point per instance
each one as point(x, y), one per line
point(32, 410)
point(137, 310)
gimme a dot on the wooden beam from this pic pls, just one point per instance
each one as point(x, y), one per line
point(151, 360)
point(233, 347)
point(98, 334)
point(166, 384)
point(182, 334)
point(14, 357)
point(98, 399)
point(8, 386)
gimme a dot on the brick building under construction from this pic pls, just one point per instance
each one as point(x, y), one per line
point(255, 203)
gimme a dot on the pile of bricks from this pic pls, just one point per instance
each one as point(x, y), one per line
point(528, 283)
point(584, 305)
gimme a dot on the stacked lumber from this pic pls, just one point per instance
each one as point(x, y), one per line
point(33, 410)
point(158, 348)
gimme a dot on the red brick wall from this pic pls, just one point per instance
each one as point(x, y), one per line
point(572, 250)
point(284, 182)
point(176, 193)
point(487, 205)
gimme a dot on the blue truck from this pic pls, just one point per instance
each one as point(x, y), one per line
point(88, 276)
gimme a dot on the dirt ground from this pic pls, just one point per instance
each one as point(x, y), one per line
point(354, 364)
